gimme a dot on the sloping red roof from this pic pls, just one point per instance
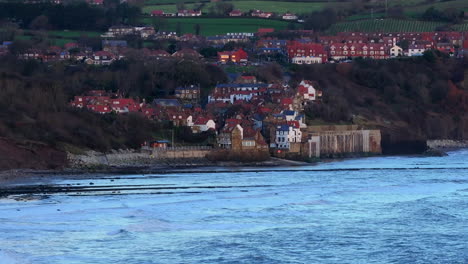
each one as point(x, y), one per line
point(266, 30)
point(157, 12)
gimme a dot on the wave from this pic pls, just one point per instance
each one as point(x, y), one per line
point(12, 257)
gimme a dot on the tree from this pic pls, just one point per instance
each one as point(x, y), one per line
point(180, 6)
point(321, 20)
point(223, 8)
point(159, 23)
point(40, 23)
point(404, 44)
point(178, 29)
point(197, 29)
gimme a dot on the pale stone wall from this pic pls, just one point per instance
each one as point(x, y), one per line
point(342, 142)
point(180, 154)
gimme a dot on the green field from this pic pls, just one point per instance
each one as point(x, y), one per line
point(385, 25)
point(281, 7)
point(267, 6)
point(218, 26)
point(73, 34)
point(169, 8)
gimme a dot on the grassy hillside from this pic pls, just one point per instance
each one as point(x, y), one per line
point(217, 26)
point(419, 9)
point(387, 25)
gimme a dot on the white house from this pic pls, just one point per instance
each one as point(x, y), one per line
point(190, 121)
point(416, 50)
point(285, 135)
point(307, 60)
point(289, 16)
point(396, 51)
point(203, 124)
point(307, 91)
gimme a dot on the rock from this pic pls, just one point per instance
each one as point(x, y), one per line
point(435, 153)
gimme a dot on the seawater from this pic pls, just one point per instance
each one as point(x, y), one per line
point(369, 210)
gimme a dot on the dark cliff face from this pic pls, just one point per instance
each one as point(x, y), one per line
point(30, 155)
point(410, 100)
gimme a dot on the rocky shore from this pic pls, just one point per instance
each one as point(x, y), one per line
point(446, 144)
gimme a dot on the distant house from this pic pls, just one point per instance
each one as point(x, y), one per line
point(446, 48)
point(289, 16)
point(286, 135)
point(166, 103)
point(306, 53)
point(202, 124)
point(190, 93)
point(235, 13)
point(121, 30)
point(237, 56)
point(145, 32)
point(189, 13)
point(396, 51)
point(101, 109)
point(187, 53)
point(156, 13)
point(261, 14)
point(340, 51)
point(158, 54)
point(416, 50)
point(159, 144)
point(101, 58)
point(236, 138)
point(124, 105)
point(246, 79)
point(307, 91)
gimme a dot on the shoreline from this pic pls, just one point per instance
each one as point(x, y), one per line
point(24, 176)
point(43, 177)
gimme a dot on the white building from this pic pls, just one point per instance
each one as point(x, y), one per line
point(285, 135)
point(203, 124)
point(396, 51)
point(416, 50)
point(307, 60)
point(289, 16)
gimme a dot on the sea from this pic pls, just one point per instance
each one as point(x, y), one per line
point(398, 209)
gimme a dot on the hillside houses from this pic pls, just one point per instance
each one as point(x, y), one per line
point(189, 13)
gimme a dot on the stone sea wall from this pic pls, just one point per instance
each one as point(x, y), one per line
point(121, 158)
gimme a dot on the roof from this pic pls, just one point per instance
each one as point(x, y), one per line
point(266, 30)
point(289, 112)
point(114, 43)
point(166, 102)
point(282, 128)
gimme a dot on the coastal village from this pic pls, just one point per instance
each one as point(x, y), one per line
point(244, 114)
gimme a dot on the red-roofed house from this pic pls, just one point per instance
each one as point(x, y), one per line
point(237, 56)
point(157, 13)
point(203, 124)
point(187, 53)
point(102, 109)
point(306, 53)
